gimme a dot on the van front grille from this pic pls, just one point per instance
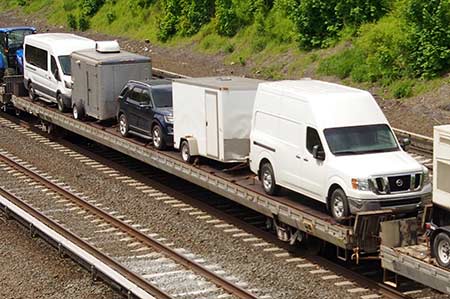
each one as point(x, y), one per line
point(397, 184)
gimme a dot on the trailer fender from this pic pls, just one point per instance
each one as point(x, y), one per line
point(193, 145)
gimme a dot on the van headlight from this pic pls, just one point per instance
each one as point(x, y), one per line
point(426, 176)
point(361, 184)
point(168, 119)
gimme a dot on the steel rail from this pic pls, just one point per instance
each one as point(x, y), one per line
point(140, 282)
point(147, 240)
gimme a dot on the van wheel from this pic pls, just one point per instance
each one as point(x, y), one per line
point(60, 103)
point(339, 207)
point(267, 177)
point(441, 249)
point(77, 112)
point(31, 92)
point(186, 152)
point(123, 125)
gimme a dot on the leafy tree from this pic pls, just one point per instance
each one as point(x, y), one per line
point(429, 43)
point(227, 21)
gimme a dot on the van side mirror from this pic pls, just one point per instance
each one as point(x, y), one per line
point(318, 153)
point(405, 143)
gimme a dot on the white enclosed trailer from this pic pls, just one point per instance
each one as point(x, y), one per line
point(212, 117)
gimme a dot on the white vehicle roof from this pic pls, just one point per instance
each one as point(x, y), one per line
point(332, 105)
point(60, 43)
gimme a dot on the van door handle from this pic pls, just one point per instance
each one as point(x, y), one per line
point(298, 157)
point(305, 159)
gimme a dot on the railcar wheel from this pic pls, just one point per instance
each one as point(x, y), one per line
point(441, 248)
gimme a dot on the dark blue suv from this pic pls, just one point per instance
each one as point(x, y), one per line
point(145, 110)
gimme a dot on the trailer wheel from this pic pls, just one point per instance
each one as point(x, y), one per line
point(339, 207)
point(31, 92)
point(267, 177)
point(185, 152)
point(158, 138)
point(60, 103)
point(123, 125)
point(441, 248)
point(77, 112)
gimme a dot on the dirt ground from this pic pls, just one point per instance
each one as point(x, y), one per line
point(418, 114)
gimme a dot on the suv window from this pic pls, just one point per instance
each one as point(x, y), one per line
point(54, 68)
point(312, 139)
point(134, 94)
point(145, 98)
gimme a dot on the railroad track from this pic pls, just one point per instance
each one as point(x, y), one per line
point(143, 266)
point(216, 206)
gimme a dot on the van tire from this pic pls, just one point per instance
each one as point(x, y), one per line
point(186, 152)
point(267, 178)
point(123, 125)
point(441, 249)
point(31, 92)
point(77, 112)
point(158, 139)
point(59, 101)
point(339, 207)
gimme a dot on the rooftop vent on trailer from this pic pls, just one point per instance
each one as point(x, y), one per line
point(107, 46)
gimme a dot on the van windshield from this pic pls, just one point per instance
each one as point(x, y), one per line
point(64, 61)
point(162, 96)
point(361, 140)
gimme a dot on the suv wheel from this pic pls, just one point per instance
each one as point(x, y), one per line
point(60, 103)
point(339, 205)
point(267, 177)
point(441, 249)
point(186, 152)
point(123, 125)
point(158, 138)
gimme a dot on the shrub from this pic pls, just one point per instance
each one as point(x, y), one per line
point(227, 21)
point(69, 5)
point(110, 17)
point(194, 15)
point(402, 89)
point(21, 2)
point(72, 21)
point(429, 43)
point(91, 7)
point(168, 25)
point(83, 23)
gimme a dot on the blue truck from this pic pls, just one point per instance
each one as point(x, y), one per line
point(11, 48)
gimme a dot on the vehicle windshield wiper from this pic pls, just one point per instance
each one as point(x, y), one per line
point(347, 152)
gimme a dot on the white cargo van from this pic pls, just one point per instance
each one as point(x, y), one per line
point(47, 70)
point(332, 143)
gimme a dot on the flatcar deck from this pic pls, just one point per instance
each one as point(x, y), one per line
point(414, 262)
point(238, 185)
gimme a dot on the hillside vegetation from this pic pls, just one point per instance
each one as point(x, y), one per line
point(402, 46)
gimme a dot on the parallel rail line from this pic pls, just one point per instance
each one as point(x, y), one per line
point(81, 206)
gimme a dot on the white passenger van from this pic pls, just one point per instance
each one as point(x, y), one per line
point(47, 70)
point(332, 143)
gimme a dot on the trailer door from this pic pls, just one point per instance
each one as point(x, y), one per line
point(212, 125)
point(92, 89)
